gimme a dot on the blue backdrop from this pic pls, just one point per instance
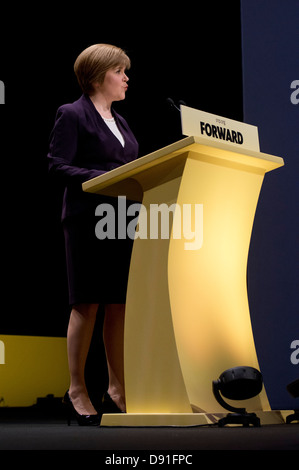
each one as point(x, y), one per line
point(270, 44)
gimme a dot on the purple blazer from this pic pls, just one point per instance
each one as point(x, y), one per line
point(82, 147)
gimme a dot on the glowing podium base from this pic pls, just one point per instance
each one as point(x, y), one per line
point(187, 314)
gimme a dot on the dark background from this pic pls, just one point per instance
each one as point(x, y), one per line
point(192, 54)
point(270, 40)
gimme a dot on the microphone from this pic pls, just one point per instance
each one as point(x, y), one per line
point(172, 103)
point(181, 102)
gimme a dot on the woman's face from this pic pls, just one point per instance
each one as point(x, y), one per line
point(115, 84)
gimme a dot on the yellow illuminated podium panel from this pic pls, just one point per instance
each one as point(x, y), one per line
point(187, 314)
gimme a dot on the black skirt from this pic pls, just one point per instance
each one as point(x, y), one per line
point(97, 269)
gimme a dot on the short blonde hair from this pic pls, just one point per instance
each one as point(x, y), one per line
point(92, 64)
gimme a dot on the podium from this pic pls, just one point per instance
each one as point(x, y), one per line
point(187, 313)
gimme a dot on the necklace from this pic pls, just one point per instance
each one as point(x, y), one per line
point(108, 119)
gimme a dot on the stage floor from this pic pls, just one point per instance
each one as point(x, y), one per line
point(56, 435)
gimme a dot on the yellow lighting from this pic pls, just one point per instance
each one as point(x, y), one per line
point(208, 292)
point(33, 367)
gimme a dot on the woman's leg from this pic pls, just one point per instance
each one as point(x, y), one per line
point(79, 334)
point(113, 333)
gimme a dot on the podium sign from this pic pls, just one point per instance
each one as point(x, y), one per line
point(219, 129)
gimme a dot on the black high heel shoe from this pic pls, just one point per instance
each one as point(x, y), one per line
point(83, 420)
point(109, 406)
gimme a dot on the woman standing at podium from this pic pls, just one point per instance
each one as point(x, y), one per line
point(88, 139)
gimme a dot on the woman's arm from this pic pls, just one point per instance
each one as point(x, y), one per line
point(63, 149)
